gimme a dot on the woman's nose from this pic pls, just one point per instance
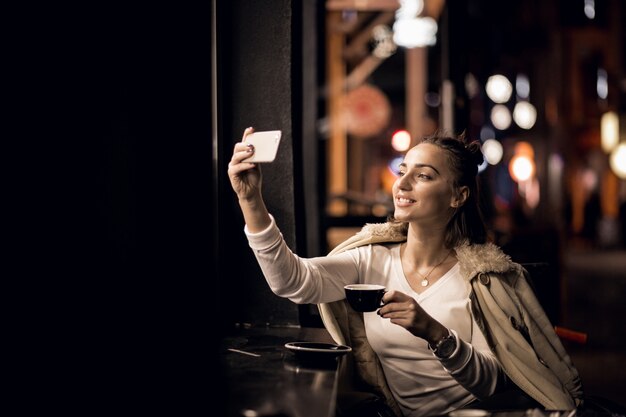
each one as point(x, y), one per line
point(403, 183)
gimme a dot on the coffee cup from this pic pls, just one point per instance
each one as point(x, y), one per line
point(364, 297)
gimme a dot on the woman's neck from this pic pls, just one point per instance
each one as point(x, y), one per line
point(424, 247)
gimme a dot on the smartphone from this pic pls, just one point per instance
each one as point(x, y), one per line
point(265, 145)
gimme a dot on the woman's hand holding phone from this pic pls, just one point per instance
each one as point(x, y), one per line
point(245, 178)
point(265, 145)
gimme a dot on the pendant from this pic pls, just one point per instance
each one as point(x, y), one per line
point(424, 283)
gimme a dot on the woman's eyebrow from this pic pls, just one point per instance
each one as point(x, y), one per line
point(403, 165)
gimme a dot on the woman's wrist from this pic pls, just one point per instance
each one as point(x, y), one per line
point(255, 214)
point(437, 333)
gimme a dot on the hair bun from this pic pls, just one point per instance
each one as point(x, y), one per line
point(474, 148)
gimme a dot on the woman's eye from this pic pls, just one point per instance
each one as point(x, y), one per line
point(424, 176)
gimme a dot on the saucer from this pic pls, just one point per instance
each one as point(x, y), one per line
point(313, 351)
point(469, 412)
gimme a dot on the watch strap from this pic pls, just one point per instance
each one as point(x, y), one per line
point(444, 347)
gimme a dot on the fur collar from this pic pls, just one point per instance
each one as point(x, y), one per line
point(391, 230)
point(473, 259)
point(482, 258)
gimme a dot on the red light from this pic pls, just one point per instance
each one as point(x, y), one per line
point(401, 140)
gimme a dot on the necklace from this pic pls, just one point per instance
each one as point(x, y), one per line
point(425, 281)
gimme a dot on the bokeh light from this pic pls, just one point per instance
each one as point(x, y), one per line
point(492, 151)
point(609, 131)
point(617, 161)
point(522, 86)
point(525, 114)
point(521, 168)
point(499, 88)
point(602, 84)
point(394, 165)
point(500, 117)
point(416, 32)
point(401, 140)
point(524, 148)
point(487, 132)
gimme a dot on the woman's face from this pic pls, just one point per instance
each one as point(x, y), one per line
point(424, 190)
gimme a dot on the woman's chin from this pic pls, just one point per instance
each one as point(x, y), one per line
point(400, 215)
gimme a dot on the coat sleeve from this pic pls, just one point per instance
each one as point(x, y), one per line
point(547, 344)
point(475, 367)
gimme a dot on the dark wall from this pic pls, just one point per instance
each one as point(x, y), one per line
point(116, 232)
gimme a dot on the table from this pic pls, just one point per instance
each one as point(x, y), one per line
point(263, 378)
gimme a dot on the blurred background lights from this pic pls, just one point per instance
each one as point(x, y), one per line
point(401, 140)
point(522, 86)
point(524, 114)
point(590, 9)
point(609, 131)
point(409, 9)
point(492, 151)
point(483, 166)
point(415, 32)
point(522, 165)
point(521, 168)
point(500, 117)
point(432, 99)
point(589, 179)
point(384, 46)
point(487, 133)
point(524, 148)
point(618, 161)
point(556, 162)
point(471, 85)
point(394, 165)
point(499, 88)
point(602, 84)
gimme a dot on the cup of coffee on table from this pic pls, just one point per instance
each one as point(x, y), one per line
point(364, 297)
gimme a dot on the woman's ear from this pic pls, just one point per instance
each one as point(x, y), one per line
point(461, 197)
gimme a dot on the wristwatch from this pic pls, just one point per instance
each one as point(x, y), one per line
point(444, 348)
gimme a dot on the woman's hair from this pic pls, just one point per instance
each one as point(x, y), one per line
point(466, 223)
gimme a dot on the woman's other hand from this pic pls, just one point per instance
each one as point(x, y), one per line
point(245, 177)
point(404, 311)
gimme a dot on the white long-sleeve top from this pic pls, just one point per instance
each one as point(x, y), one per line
point(421, 383)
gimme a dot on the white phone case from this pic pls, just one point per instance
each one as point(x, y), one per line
point(265, 145)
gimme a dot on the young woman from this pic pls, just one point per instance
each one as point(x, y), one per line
point(460, 322)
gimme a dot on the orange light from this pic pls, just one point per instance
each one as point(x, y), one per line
point(524, 148)
point(521, 168)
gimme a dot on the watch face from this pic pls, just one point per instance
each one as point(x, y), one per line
point(446, 347)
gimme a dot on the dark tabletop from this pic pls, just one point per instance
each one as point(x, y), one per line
point(264, 378)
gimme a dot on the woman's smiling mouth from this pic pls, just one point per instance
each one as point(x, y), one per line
point(402, 201)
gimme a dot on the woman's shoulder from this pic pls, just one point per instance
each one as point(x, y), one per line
point(487, 257)
point(374, 233)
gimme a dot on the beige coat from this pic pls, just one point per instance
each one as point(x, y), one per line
point(504, 307)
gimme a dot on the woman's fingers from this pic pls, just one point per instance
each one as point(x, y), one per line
point(242, 151)
point(246, 132)
point(390, 296)
point(235, 168)
point(396, 310)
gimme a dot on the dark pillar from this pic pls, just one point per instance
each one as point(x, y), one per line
point(259, 83)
